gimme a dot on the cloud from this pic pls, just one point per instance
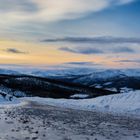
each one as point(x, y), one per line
point(82, 50)
point(15, 51)
point(92, 50)
point(81, 63)
point(97, 45)
point(123, 50)
point(125, 1)
point(33, 19)
point(128, 61)
point(95, 40)
point(17, 6)
point(52, 10)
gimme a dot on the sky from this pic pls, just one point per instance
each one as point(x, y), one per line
point(77, 33)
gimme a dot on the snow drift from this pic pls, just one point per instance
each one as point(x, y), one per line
point(8, 100)
point(125, 103)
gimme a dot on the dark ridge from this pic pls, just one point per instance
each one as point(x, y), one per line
point(48, 87)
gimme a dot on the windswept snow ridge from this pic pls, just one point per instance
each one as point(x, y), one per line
point(126, 103)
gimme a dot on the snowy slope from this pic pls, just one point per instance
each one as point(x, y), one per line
point(2, 99)
point(6, 99)
point(128, 103)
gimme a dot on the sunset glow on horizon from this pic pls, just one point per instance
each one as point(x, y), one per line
point(55, 33)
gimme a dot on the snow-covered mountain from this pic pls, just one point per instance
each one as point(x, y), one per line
point(111, 79)
point(62, 72)
point(6, 71)
point(94, 73)
point(69, 72)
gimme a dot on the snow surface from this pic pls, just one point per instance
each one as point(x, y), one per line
point(10, 101)
point(125, 103)
point(82, 96)
point(6, 102)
